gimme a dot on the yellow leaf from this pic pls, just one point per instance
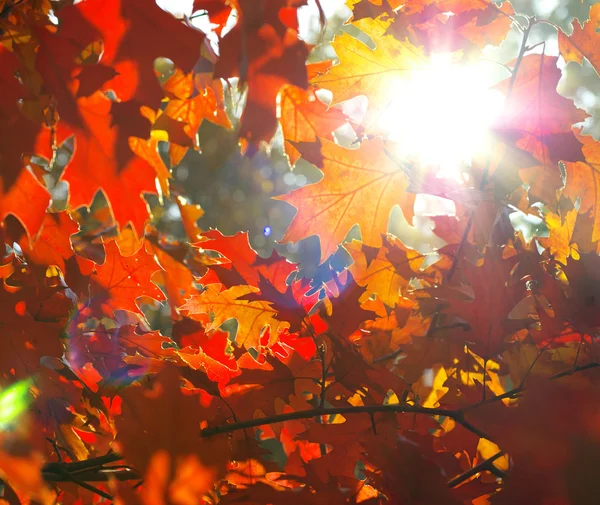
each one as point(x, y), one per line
point(430, 386)
point(362, 71)
point(252, 316)
point(389, 273)
point(561, 234)
point(487, 449)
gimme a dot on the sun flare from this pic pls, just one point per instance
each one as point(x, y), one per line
point(441, 115)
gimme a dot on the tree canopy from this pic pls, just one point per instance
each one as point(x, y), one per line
point(147, 357)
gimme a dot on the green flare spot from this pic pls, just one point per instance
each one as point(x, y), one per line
point(14, 401)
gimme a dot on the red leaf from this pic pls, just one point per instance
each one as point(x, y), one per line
point(120, 281)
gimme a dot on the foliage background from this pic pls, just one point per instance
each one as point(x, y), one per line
point(417, 385)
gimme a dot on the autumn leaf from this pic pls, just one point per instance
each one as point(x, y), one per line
point(487, 315)
point(266, 55)
point(561, 228)
point(389, 272)
point(563, 458)
point(583, 42)
point(131, 44)
point(190, 334)
point(215, 306)
point(363, 71)
point(120, 281)
point(19, 188)
point(526, 119)
point(17, 201)
point(52, 246)
point(304, 117)
point(370, 8)
point(95, 164)
point(472, 25)
point(582, 180)
point(359, 186)
point(263, 387)
point(240, 263)
point(199, 105)
point(34, 315)
point(59, 62)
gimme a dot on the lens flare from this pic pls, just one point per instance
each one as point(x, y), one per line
point(441, 115)
point(13, 402)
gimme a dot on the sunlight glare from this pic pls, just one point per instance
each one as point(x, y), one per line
point(441, 115)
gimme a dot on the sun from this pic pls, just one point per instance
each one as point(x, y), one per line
point(441, 115)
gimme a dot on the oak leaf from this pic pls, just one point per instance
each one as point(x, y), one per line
point(485, 311)
point(359, 186)
point(120, 281)
point(535, 114)
point(34, 315)
point(582, 180)
point(584, 41)
point(363, 71)
point(95, 163)
point(21, 194)
point(304, 117)
point(266, 55)
point(214, 306)
point(560, 461)
point(131, 44)
point(389, 273)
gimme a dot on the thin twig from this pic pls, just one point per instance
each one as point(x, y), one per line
point(518, 390)
point(533, 363)
point(8, 7)
point(471, 472)
point(522, 51)
point(391, 355)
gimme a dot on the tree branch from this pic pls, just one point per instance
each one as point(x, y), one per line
point(94, 469)
point(90, 470)
point(360, 409)
point(8, 7)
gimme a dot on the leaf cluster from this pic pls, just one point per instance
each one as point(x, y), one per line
point(163, 363)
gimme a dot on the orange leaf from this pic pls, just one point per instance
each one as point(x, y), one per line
point(359, 186)
point(121, 280)
point(583, 180)
point(584, 41)
point(304, 117)
point(98, 162)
